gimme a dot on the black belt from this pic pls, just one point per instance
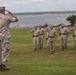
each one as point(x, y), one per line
point(35, 35)
point(62, 34)
point(41, 34)
point(51, 36)
point(74, 35)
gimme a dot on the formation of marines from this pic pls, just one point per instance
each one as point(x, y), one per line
point(38, 36)
point(51, 36)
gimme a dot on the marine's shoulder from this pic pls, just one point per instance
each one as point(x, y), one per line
point(1, 15)
point(65, 28)
point(42, 28)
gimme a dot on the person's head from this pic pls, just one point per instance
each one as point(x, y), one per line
point(35, 27)
point(39, 27)
point(62, 25)
point(50, 26)
point(2, 10)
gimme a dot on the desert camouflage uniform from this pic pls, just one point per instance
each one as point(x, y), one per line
point(74, 35)
point(41, 30)
point(46, 32)
point(63, 36)
point(4, 35)
point(36, 37)
point(51, 39)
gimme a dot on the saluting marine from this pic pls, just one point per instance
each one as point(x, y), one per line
point(36, 34)
point(41, 36)
point(51, 38)
point(74, 34)
point(5, 36)
point(46, 32)
point(63, 36)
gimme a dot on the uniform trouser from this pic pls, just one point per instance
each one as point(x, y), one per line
point(63, 41)
point(41, 41)
point(36, 42)
point(4, 50)
point(75, 42)
point(51, 44)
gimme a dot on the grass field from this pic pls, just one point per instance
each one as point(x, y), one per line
point(24, 60)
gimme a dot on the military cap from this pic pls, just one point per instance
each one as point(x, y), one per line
point(2, 8)
point(50, 26)
point(62, 24)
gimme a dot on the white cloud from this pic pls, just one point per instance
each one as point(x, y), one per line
point(38, 5)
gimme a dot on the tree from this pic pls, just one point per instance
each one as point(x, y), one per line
point(72, 19)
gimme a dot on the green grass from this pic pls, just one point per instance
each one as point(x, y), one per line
point(24, 60)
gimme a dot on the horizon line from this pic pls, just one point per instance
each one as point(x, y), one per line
point(46, 11)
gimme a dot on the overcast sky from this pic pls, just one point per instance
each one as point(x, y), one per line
point(38, 5)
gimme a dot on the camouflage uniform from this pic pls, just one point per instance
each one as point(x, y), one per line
point(51, 38)
point(46, 32)
point(74, 35)
point(41, 37)
point(4, 37)
point(36, 37)
point(63, 36)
